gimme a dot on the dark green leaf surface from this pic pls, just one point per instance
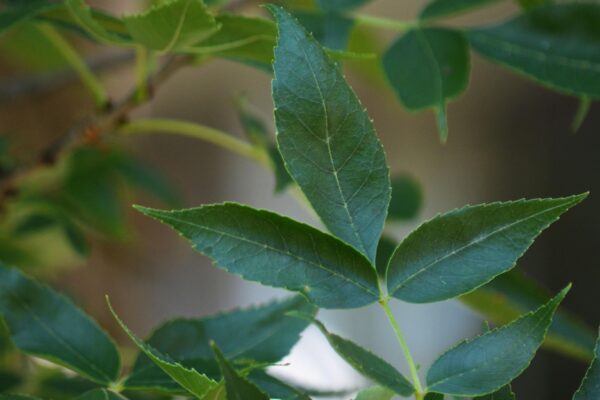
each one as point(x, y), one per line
point(512, 294)
point(340, 5)
point(330, 29)
point(274, 387)
point(17, 397)
point(259, 135)
point(268, 337)
point(426, 67)
point(237, 387)
point(557, 45)
point(327, 140)
point(246, 39)
point(9, 380)
point(21, 11)
point(488, 362)
point(444, 8)
point(407, 198)
point(47, 325)
point(172, 25)
point(375, 393)
point(367, 363)
point(504, 393)
point(590, 386)
point(434, 396)
point(262, 246)
point(101, 394)
point(193, 381)
point(386, 248)
point(454, 253)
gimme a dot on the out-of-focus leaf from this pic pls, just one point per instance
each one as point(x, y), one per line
point(340, 5)
point(20, 11)
point(41, 323)
point(141, 175)
point(457, 252)
point(193, 381)
point(530, 4)
point(327, 140)
point(331, 29)
point(512, 294)
point(82, 14)
point(246, 39)
point(41, 56)
point(236, 386)
point(172, 25)
point(274, 387)
point(9, 380)
point(483, 365)
point(443, 8)
point(590, 386)
point(375, 393)
point(427, 67)
point(259, 135)
point(58, 386)
point(101, 394)
point(269, 336)
point(407, 198)
point(96, 201)
point(285, 253)
point(385, 249)
point(504, 393)
point(557, 45)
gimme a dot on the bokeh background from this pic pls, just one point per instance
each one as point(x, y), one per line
point(509, 139)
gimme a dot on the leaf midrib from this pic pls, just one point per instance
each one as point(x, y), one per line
point(473, 243)
point(520, 340)
point(533, 53)
point(57, 337)
point(266, 246)
point(329, 150)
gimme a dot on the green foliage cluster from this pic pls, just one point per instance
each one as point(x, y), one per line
point(326, 149)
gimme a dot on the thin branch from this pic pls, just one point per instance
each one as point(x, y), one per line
point(99, 122)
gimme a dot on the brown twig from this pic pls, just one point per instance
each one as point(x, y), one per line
point(100, 122)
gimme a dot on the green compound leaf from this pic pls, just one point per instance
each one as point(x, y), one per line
point(443, 8)
point(83, 16)
point(375, 393)
point(277, 251)
point(407, 198)
point(426, 67)
point(327, 140)
point(101, 394)
point(512, 294)
point(245, 39)
point(193, 381)
point(172, 25)
point(556, 45)
point(41, 322)
point(268, 337)
point(236, 387)
point(590, 386)
point(483, 365)
point(367, 363)
point(456, 252)
point(504, 393)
